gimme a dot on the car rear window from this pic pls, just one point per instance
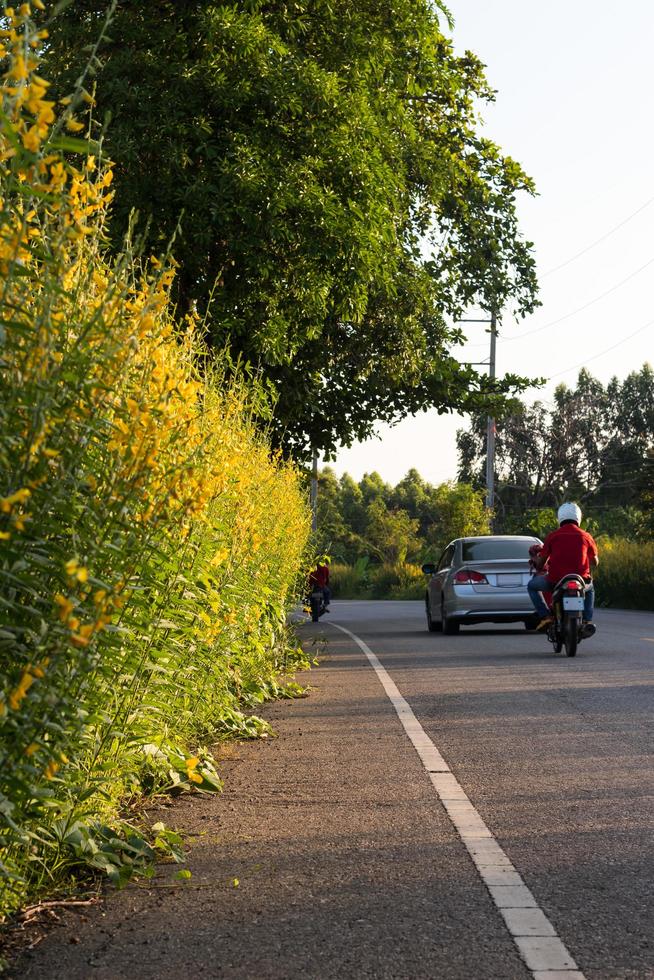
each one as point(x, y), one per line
point(493, 549)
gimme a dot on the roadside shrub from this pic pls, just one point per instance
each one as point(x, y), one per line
point(397, 581)
point(149, 540)
point(625, 575)
point(350, 581)
point(388, 581)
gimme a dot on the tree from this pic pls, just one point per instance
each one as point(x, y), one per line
point(458, 510)
point(332, 528)
point(391, 534)
point(392, 524)
point(374, 488)
point(352, 505)
point(593, 444)
point(322, 163)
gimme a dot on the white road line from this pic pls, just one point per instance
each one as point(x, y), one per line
point(532, 932)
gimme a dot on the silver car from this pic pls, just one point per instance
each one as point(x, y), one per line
point(480, 580)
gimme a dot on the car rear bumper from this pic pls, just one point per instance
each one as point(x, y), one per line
point(475, 597)
point(469, 608)
point(514, 616)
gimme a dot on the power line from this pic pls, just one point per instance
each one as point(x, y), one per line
point(603, 352)
point(597, 241)
point(567, 316)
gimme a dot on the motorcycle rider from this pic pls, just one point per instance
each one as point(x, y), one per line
point(319, 578)
point(568, 550)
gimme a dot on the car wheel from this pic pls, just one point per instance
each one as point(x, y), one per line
point(450, 626)
point(433, 625)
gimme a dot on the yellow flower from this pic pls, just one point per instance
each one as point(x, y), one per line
point(15, 498)
point(75, 570)
point(191, 766)
point(74, 126)
point(19, 521)
point(32, 748)
point(31, 139)
point(19, 68)
point(65, 606)
point(24, 685)
point(39, 4)
point(51, 769)
point(219, 557)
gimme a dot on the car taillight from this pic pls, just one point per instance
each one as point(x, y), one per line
point(468, 576)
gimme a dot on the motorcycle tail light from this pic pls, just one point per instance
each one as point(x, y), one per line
point(468, 576)
point(572, 585)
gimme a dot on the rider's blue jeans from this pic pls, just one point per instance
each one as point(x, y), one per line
point(540, 583)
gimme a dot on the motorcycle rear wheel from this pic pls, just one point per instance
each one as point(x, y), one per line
point(570, 636)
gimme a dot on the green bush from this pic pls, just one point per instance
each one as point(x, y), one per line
point(397, 581)
point(388, 581)
point(350, 581)
point(625, 576)
point(149, 541)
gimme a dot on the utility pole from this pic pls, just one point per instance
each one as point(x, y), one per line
point(314, 492)
point(490, 424)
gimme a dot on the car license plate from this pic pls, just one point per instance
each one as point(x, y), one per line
point(508, 580)
point(573, 602)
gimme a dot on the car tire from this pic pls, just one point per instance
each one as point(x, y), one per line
point(433, 625)
point(450, 625)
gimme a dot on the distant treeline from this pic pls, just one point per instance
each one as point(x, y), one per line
point(393, 525)
point(594, 444)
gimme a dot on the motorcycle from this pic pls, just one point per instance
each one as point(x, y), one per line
point(568, 629)
point(317, 603)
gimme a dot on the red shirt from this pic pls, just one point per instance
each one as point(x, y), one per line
point(568, 550)
point(320, 576)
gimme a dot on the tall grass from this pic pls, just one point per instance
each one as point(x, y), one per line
point(625, 576)
point(149, 540)
point(398, 580)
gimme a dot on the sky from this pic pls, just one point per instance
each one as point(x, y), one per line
point(574, 92)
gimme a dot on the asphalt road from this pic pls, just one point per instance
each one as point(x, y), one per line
point(347, 863)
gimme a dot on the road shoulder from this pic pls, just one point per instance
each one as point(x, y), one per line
point(327, 855)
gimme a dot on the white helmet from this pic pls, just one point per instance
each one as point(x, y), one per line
point(569, 512)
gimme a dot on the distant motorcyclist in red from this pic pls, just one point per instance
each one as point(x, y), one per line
point(319, 577)
point(568, 550)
